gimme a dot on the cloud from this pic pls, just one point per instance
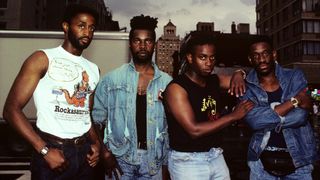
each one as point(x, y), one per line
point(131, 8)
point(203, 2)
point(186, 13)
point(249, 2)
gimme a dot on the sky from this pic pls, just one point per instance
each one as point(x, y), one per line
point(185, 14)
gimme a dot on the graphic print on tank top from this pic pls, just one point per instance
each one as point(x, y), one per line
point(71, 89)
point(66, 72)
point(209, 105)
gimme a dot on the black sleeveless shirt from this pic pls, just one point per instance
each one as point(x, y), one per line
point(206, 106)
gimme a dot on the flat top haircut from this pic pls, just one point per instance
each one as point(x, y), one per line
point(73, 10)
point(196, 38)
point(144, 23)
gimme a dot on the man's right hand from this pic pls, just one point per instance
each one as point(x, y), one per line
point(111, 165)
point(242, 109)
point(56, 160)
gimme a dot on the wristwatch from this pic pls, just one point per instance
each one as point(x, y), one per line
point(294, 102)
point(44, 151)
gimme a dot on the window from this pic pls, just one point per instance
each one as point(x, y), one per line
point(317, 48)
point(297, 28)
point(271, 5)
point(285, 34)
point(285, 15)
point(265, 26)
point(3, 25)
point(310, 5)
point(296, 9)
point(311, 48)
point(3, 3)
point(264, 11)
point(311, 26)
point(297, 49)
point(317, 26)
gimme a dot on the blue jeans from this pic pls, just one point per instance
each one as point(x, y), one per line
point(198, 165)
point(257, 172)
point(78, 167)
point(137, 172)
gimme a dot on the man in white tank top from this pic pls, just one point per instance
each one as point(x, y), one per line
point(62, 84)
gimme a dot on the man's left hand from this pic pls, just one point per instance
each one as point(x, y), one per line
point(93, 156)
point(237, 84)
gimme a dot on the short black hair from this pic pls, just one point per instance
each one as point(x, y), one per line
point(195, 38)
point(261, 39)
point(144, 23)
point(73, 10)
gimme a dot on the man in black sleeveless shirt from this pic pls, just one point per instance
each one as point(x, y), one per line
point(192, 103)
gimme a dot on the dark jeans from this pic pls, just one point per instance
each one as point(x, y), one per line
point(78, 168)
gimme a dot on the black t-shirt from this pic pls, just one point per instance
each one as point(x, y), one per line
point(141, 119)
point(206, 106)
point(276, 138)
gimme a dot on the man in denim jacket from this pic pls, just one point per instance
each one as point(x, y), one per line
point(128, 102)
point(279, 118)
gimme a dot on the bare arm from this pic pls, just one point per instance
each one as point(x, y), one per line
point(304, 103)
point(20, 93)
point(176, 96)
point(33, 69)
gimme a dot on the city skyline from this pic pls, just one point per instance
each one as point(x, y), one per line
point(186, 13)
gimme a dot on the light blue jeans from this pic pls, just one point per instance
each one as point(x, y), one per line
point(198, 165)
point(137, 172)
point(257, 172)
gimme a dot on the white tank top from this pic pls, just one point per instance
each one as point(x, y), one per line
point(62, 95)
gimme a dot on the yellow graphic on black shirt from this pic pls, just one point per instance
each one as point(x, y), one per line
point(210, 105)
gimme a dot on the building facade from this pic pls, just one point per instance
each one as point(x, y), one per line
point(47, 14)
point(294, 27)
point(167, 47)
point(205, 26)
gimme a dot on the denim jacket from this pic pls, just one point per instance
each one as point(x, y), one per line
point(115, 107)
point(297, 131)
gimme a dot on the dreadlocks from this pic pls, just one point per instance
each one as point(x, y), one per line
point(143, 22)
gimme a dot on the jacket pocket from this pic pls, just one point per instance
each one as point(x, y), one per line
point(119, 146)
point(161, 146)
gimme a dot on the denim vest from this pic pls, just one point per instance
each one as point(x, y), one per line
point(297, 131)
point(115, 107)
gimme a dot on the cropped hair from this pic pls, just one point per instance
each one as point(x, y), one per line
point(143, 23)
point(262, 39)
point(73, 10)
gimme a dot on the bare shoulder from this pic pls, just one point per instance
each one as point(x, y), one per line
point(36, 62)
point(175, 90)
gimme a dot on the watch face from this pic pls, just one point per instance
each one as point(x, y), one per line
point(44, 151)
point(295, 102)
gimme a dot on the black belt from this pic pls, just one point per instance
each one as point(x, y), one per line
point(65, 141)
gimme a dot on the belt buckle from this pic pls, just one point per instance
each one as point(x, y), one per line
point(76, 141)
